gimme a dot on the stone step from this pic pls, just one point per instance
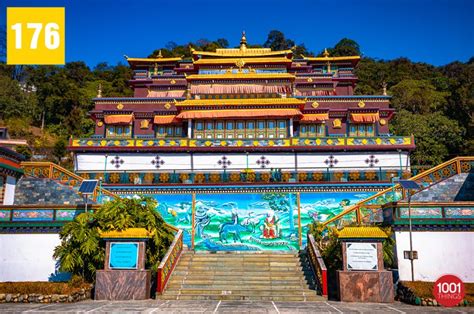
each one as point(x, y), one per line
point(196, 279)
point(249, 263)
point(235, 297)
point(239, 258)
point(202, 280)
point(244, 269)
point(234, 286)
point(248, 273)
point(239, 276)
point(249, 292)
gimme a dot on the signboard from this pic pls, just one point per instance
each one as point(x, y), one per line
point(361, 256)
point(123, 255)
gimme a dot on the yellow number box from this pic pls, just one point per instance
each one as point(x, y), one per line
point(35, 35)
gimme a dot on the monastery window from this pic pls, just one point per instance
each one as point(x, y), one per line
point(312, 130)
point(220, 129)
point(199, 126)
point(118, 131)
point(362, 129)
point(168, 131)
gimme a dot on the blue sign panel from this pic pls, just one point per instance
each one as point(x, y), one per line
point(123, 255)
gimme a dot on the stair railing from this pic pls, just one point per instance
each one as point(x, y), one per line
point(317, 264)
point(425, 179)
point(57, 173)
point(169, 262)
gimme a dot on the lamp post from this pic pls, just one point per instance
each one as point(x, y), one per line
point(410, 186)
point(100, 180)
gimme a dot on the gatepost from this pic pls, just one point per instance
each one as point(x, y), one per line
point(124, 276)
point(363, 278)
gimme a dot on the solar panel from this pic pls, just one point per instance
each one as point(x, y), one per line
point(88, 186)
point(408, 184)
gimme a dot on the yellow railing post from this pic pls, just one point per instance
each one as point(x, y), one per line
point(458, 165)
point(358, 215)
point(300, 231)
point(193, 229)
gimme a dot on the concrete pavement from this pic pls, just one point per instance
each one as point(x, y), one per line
point(162, 306)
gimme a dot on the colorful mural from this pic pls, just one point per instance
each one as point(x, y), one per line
point(246, 222)
point(320, 207)
point(251, 221)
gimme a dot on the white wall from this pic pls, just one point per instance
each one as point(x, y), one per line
point(201, 161)
point(439, 253)
point(27, 257)
point(9, 196)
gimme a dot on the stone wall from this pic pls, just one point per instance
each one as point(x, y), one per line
point(80, 295)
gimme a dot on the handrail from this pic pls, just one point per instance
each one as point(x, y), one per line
point(53, 166)
point(169, 262)
point(356, 207)
point(318, 265)
point(41, 213)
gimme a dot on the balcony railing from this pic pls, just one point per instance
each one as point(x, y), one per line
point(348, 143)
point(255, 175)
point(16, 215)
point(429, 213)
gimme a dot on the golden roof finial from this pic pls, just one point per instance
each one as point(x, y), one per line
point(326, 53)
point(243, 41)
point(155, 69)
point(99, 91)
point(191, 49)
point(159, 54)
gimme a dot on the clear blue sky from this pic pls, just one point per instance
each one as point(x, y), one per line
point(432, 31)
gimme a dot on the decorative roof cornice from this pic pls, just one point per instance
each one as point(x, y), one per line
point(238, 102)
point(246, 60)
point(240, 76)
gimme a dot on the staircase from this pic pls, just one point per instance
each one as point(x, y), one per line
point(45, 191)
point(239, 276)
point(426, 179)
point(457, 188)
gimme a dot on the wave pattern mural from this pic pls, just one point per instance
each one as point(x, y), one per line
point(251, 221)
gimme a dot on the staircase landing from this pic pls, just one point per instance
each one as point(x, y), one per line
point(239, 276)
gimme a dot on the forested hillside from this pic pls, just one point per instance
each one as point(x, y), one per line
point(48, 104)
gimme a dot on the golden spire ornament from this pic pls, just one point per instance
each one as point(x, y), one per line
point(243, 41)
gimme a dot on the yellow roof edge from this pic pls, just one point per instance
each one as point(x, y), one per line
point(362, 232)
point(332, 58)
point(247, 52)
point(130, 233)
point(153, 59)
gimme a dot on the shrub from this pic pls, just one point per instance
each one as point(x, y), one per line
point(82, 252)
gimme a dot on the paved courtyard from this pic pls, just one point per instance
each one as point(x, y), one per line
point(158, 306)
